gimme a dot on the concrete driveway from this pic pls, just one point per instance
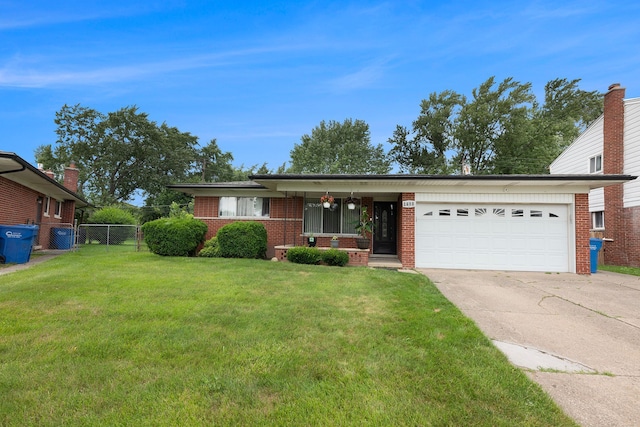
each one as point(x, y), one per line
point(576, 336)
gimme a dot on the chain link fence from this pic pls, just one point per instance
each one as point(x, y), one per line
point(110, 236)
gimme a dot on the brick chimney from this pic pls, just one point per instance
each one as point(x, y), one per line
point(613, 163)
point(50, 174)
point(613, 149)
point(71, 177)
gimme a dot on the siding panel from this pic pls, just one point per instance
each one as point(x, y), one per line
point(632, 151)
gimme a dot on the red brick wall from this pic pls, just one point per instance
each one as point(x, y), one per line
point(284, 226)
point(613, 163)
point(583, 226)
point(632, 236)
point(19, 205)
point(407, 233)
point(357, 257)
point(205, 207)
point(281, 229)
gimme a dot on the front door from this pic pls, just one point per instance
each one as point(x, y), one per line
point(384, 227)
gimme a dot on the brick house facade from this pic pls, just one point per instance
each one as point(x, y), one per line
point(31, 196)
point(510, 199)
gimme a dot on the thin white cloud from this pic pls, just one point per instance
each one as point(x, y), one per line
point(37, 73)
point(54, 13)
point(363, 78)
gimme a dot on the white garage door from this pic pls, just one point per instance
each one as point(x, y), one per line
point(492, 237)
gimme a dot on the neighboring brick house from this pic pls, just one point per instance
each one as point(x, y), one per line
point(29, 195)
point(611, 145)
point(496, 222)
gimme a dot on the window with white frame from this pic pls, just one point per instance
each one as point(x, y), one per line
point(243, 207)
point(58, 211)
point(597, 220)
point(47, 205)
point(338, 219)
point(595, 164)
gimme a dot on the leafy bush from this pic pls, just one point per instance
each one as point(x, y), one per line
point(304, 255)
point(174, 236)
point(112, 215)
point(243, 239)
point(335, 257)
point(210, 249)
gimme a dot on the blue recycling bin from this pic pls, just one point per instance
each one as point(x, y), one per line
point(61, 238)
point(16, 242)
point(594, 245)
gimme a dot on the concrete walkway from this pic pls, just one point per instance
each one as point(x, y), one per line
point(576, 336)
point(41, 257)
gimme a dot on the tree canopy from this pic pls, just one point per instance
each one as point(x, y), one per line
point(334, 148)
point(501, 129)
point(118, 153)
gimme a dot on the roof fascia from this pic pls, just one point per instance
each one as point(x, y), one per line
point(59, 190)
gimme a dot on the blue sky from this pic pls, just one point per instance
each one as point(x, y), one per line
point(258, 75)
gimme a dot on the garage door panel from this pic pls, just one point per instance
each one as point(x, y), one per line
point(506, 237)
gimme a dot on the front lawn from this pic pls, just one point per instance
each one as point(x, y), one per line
point(634, 271)
point(111, 338)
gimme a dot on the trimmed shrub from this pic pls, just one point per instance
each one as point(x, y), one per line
point(243, 239)
point(210, 249)
point(335, 257)
point(174, 236)
point(304, 255)
point(111, 215)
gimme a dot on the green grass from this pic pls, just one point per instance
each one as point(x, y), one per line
point(94, 338)
point(634, 271)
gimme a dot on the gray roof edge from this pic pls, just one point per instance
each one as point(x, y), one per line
point(394, 177)
point(235, 184)
point(31, 168)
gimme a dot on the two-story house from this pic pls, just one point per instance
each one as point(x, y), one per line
point(611, 145)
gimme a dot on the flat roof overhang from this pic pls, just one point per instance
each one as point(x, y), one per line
point(370, 185)
point(401, 183)
point(16, 169)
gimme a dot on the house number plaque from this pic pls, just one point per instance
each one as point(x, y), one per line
point(408, 203)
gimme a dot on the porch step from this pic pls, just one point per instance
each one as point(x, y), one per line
point(384, 261)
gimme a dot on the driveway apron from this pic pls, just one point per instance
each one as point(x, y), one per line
point(576, 336)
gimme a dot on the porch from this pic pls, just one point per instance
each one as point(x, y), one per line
point(357, 257)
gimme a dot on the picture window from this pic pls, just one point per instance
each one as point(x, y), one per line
point(243, 207)
point(335, 220)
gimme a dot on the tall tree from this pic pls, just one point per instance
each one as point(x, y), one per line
point(335, 148)
point(119, 153)
point(212, 164)
point(424, 148)
point(501, 129)
point(492, 126)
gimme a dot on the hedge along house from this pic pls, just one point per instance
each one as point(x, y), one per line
point(487, 222)
point(29, 195)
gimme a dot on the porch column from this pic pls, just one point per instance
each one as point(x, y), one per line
point(407, 232)
point(583, 224)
